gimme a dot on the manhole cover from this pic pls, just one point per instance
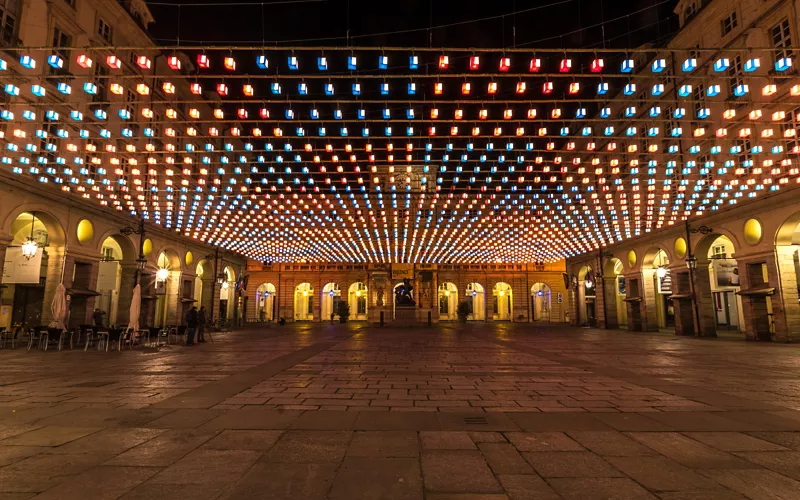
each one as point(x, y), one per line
point(475, 421)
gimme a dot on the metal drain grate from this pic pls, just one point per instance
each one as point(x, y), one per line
point(475, 421)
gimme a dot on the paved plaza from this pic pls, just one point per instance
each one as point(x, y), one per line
point(455, 412)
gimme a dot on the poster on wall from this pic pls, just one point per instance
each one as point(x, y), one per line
point(621, 289)
point(726, 272)
point(665, 283)
point(18, 269)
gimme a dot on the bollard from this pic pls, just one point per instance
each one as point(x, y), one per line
point(381, 318)
point(429, 318)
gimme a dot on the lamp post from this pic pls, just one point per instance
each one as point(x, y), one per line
point(141, 260)
point(691, 263)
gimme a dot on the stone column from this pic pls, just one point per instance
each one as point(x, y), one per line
point(787, 284)
point(610, 301)
point(126, 283)
point(704, 302)
point(779, 317)
point(173, 305)
point(648, 305)
point(55, 268)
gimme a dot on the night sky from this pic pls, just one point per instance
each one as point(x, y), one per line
point(539, 23)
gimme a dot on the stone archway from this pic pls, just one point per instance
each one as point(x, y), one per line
point(587, 296)
point(304, 302)
point(448, 301)
point(31, 289)
point(615, 293)
point(358, 299)
point(657, 288)
point(541, 300)
point(476, 299)
point(265, 302)
point(116, 276)
point(331, 295)
point(503, 302)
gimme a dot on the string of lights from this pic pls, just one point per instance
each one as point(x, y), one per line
point(467, 173)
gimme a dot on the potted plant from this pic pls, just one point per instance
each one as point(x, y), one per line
point(343, 311)
point(463, 311)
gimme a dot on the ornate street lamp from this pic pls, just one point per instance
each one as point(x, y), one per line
point(141, 260)
point(691, 263)
point(30, 247)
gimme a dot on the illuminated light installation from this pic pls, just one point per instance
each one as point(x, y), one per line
point(497, 164)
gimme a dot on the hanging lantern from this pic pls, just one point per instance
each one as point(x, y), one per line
point(113, 62)
point(535, 65)
point(174, 63)
point(474, 62)
point(248, 90)
point(230, 63)
point(84, 61)
point(444, 62)
point(30, 247)
point(505, 63)
point(203, 61)
point(196, 88)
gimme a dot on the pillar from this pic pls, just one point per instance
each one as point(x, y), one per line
point(55, 268)
point(787, 281)
point(684, 310)
point(610, 300)
point(647, 304)
point(126, 283)
point(704, 302)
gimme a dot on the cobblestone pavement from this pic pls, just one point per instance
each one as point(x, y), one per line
point(455, 412)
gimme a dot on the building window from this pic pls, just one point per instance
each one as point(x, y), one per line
point(61, 41)
point(736, 74)
point(744, 150)
point(130, 102)
point(101, 80)
point(793, 143)
point(8, 22)
point(729, 23)
point(698, 96)
point(689, 12)
point(104, 30)
point(782, 39)
point(719, 252)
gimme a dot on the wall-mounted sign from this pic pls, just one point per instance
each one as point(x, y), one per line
point(726, 272)
point(665, 283)
point(18, 269)
point(621, 288)
point(402, 271)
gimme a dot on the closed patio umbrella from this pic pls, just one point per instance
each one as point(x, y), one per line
point(136, 308)
point(59, 307)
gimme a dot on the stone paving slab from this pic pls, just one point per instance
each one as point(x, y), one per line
point(453, 412)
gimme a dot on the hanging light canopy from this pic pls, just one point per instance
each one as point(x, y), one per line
point(30, 247)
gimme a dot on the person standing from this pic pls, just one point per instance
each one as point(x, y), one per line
point(191, 324)
point(97, 317)
point(201, 324)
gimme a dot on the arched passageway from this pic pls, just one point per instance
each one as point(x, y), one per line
point(265, 302)
point(541, 300)
point(357, 298)
point(476, 301)
point(448, 301)
point(657, 280)
point(304, 302)
point(503, 302)
point(331, 295)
